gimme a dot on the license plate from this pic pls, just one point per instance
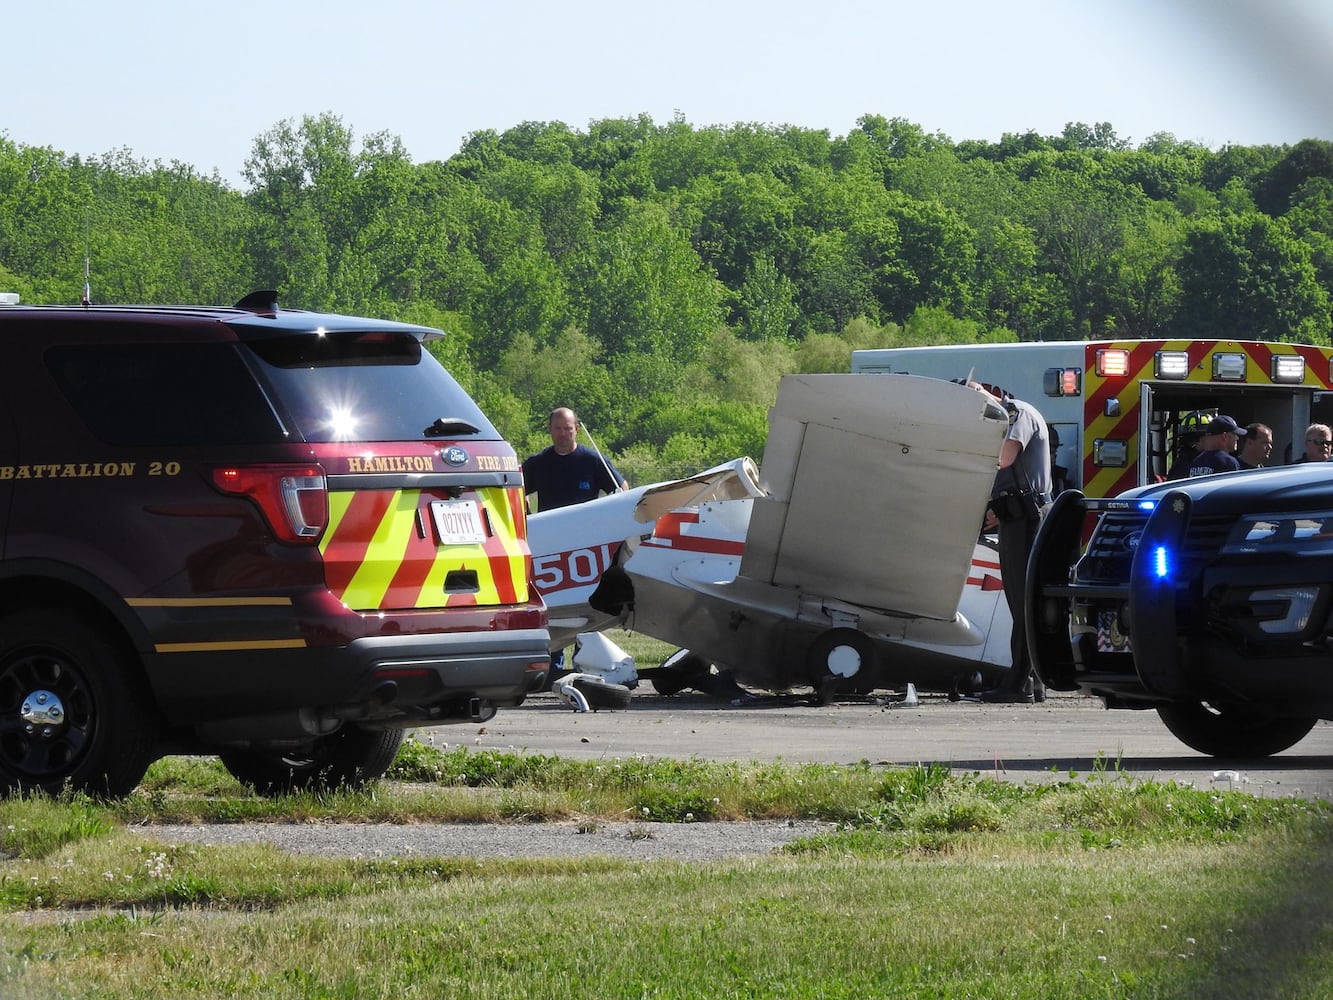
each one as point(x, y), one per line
point(457, 522)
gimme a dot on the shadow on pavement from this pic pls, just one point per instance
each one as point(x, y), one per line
point(1134, 765)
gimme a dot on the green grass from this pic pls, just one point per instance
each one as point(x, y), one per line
point(926, 885)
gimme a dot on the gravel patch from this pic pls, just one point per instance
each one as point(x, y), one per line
point(639, 841)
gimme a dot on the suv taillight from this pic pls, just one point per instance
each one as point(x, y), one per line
point(293, 498)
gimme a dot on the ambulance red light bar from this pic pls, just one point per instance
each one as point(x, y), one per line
point(1171, 364)
point(1229, 366)
point(1287, 368)
point(1062, 381)
point(1112, 361)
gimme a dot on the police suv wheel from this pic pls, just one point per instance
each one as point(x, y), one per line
point(1232, 731)
point(350, 758)
point(74, 710)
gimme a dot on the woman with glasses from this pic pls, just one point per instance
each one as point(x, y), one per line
point(1318, 444)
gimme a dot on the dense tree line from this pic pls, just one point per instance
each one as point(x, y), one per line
point(661, 278)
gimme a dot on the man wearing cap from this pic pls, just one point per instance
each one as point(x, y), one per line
point(1216, 447)
point(1023, 470)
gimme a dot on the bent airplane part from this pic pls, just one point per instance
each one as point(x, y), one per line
point(574, 548)
point(850, 561)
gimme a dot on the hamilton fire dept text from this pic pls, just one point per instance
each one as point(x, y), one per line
point(423, 463)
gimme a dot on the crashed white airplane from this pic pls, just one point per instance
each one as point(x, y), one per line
point(851, 561)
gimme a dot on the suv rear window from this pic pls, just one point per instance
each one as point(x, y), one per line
point(363, 387)
point(336, 387)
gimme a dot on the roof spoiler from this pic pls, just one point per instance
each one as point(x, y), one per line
point(264, 302)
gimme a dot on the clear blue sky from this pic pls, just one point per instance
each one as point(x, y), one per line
point(172, 80)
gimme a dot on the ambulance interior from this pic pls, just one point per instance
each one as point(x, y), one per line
point(1176, 414)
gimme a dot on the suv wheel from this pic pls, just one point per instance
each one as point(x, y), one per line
point(1232, 731)
point(350, 758)
point(74, 712)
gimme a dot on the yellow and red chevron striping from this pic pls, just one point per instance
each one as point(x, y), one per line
point(1124, 426)
point(377, 556)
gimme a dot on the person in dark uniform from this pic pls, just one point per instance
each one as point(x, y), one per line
point(564, 474)
point(1216, 447)
point(1019, 499)
point(567, 473)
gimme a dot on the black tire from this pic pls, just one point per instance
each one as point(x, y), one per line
point(682, 669)
point(350, 758)
point(75, 710)
point(667, 680)
point(1232, 731)
point(841, 659)
point(602, 694)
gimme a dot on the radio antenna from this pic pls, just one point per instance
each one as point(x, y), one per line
point(87, 254)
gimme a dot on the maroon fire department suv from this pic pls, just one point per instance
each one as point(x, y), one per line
point(273, 535)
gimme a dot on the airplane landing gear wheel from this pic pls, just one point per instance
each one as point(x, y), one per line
point(839, 659)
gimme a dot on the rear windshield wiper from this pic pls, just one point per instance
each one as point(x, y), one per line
point(451, 425)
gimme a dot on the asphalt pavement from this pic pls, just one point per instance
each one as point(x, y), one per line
point(1063, 736)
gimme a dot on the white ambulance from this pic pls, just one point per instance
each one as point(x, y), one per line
point(1123, 410)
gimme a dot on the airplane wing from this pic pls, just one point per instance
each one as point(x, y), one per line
point(877, 485)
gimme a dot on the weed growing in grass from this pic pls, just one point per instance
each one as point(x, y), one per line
point(971, 814)
point(671, 804)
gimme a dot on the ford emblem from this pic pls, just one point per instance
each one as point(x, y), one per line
point(454, 455)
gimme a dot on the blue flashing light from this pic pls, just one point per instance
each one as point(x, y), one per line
point(1161, 563)
point(1148, 505)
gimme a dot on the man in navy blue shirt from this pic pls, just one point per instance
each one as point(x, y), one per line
point(562, 475)
point(1216, 447)
point(567, 473)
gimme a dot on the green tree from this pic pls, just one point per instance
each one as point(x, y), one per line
point(45, 221)
point(1249, 278)
point(707, 432)
point(299, 177)
point(163, 234)
point(1144, 289)
point(834, 283)
point(1311, 219)
point(766, 303)
point(1308, 159)
point(647, 290)
point(1079, 222)
point(920, 253)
